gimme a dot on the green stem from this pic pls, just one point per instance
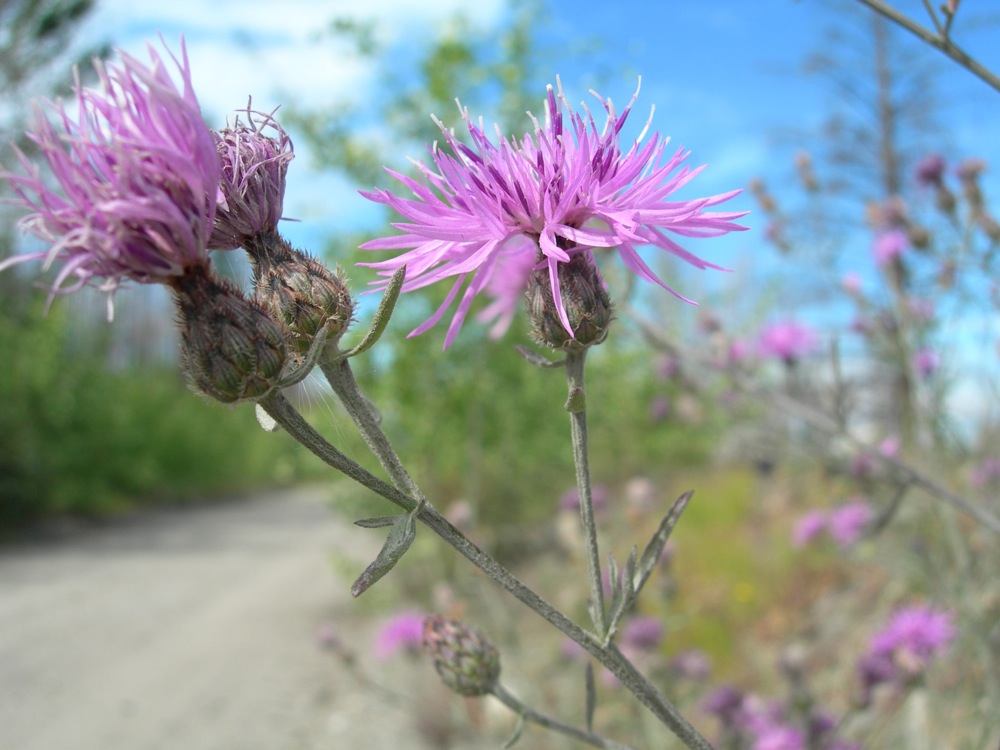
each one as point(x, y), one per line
point(576, 404)
point(514, 704)
point(341, 378)
point(285, 414)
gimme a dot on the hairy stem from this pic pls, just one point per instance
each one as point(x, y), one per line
point(528, 714)
point(576, 404)
point(285, 414)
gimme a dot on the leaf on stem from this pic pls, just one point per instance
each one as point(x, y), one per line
point(401, 535)
point(623, 592)
point(651, 555)
point(382, 314)
point(265, 420)
point(536, 359)
point(518, 731)
point(377, 522)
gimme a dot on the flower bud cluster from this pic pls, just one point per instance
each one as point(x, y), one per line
point(231, 349)
point(299, 292)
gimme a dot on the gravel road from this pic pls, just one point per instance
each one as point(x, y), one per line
point(190, 629)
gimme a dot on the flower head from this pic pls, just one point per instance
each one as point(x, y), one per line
point(642, 634)
point(401, 632)
point(252, 187)
point(889, 245)
point(848, 522)
point(926, 362)
point(137, 179)
point(930, 169)
point(568, 188)
point(808, 527)
point(905, 646)
point(787, 340)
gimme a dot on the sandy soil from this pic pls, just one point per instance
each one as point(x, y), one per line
point(192, 629)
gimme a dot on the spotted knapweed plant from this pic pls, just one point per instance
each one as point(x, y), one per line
point(138, 188)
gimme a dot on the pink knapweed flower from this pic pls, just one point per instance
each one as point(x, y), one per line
point(136, 179)
point(986, 473)
point(642, 634)
point(889, 245)
point(568, 188)
point(929, 171)
point(787, 340)
point(848, 522)
point(851, 283)
point(926, 362)
point(905, 646)
point(808, 527)
point(401, 632)
point(254, 158)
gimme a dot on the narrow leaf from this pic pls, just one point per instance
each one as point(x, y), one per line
point(401, 535)
point(382, 314)
point(518, 731)
point(536, 359)
point(377, 522)
point(591, 696)
point(651, 555)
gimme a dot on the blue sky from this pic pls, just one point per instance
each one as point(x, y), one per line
point(723, 75)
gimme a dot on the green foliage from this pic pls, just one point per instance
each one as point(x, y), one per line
point(77, 438)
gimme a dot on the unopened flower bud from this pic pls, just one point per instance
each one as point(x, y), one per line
point(466, 660)
point(585, 301)
point(231, 350)
point(299, 291)
point(252, 184)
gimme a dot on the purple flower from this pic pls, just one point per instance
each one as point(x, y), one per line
point(692, 664)
point(930, 170)
point(848, 522)
point(726, 703)
point(851, 283)
point(780, 737)
point(905, 646)
point(787, 340)
point(600, 498)
point(642, 634)
point(568, 188)
point(401, 632)
point(926, 362)
point(809, 527)
point(970, 169)
point(252, 185)
point(918, 630)
point(889, 245)
point(659, 408)
point(986, 473)
point(137, 179)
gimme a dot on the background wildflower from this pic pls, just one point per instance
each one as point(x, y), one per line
point(788, 341)
point(401, 632)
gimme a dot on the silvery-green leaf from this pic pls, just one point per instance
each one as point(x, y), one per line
point(377, 522)
point(651, 555)
point(518, 731)
point(401, 535)
point(382, 314)
point(591, 696)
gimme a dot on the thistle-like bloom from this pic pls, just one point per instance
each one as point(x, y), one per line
point(787, 341)
point(848, 522)
point(904, 647)
point(252, 185)
point(137, 179)
point(401, 632)
point(568, 188)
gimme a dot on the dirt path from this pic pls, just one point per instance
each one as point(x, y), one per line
point(190, 629)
